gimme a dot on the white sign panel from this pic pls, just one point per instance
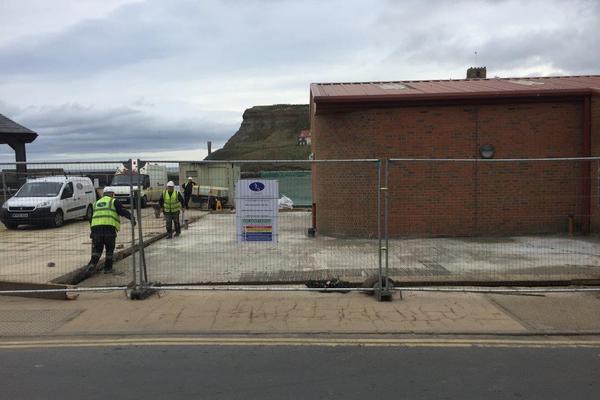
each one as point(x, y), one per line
point(256, 210)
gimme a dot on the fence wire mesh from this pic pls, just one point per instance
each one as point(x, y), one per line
point(224, 237)
point(496, 220)
point(232, 233)
point(457, 221)
point(45, 213)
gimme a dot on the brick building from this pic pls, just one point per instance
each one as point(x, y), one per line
point(474, 120)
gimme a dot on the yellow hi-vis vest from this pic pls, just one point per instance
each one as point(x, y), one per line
point(105, 213)
point(171, 202)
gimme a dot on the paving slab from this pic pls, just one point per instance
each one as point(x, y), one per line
point(552, 312)
point(271, 312)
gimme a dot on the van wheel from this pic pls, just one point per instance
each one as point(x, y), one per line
point(144, 202)
point(59, 219)
point(10, 225)
point(88, 214)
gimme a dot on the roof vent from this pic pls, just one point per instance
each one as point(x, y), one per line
point(526, 82)
point(392, 86)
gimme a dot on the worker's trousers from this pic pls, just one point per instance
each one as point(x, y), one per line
point(169, 219)
point(186, 200)
point(100, 241)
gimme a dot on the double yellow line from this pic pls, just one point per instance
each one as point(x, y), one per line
point(282, 341)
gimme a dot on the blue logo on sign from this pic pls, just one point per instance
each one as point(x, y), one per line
point(256, 186)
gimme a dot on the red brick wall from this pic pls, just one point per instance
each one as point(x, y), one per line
point(442, 198)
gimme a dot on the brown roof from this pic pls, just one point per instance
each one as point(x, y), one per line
point(454, 89)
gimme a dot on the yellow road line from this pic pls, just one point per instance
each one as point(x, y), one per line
point(216, 341)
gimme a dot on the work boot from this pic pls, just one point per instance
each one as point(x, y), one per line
point(107, 270)
point(89, 270)
point(177, 234)
point(169, 236)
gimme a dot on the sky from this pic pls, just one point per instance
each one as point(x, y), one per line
point(115, 79)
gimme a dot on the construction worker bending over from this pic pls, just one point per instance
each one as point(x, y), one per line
point(171, 202)
point(105, 224)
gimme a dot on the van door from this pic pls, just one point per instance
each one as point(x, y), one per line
point(80, 198)
point(71, 200)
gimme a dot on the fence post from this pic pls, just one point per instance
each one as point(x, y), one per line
point(4, 187)
point(140, 284)
point(133, 245)
point(381, 290)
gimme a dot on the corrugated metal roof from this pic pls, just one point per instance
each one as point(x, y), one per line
point(455, 89)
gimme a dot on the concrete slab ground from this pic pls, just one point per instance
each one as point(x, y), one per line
point(299, 312)
point(208, 252)
point(40, 255)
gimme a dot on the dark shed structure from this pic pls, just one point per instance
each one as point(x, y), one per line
point(16, 136)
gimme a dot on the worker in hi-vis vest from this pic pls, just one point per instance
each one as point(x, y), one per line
point(171, 203)
point(105, 224)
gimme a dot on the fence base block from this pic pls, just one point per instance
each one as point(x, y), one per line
point(382, 294)
point(140, 292)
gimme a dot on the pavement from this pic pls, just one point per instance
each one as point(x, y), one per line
point(218, 312)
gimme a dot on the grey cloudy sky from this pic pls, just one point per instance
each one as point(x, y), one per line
point(106, 79)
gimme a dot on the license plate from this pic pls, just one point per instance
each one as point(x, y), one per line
point(20, 215)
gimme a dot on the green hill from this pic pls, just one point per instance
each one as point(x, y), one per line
point(268, 133)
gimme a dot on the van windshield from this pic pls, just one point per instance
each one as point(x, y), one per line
point(39, 189)
point(124, 180)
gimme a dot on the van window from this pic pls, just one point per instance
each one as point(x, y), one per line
point(39, 189)
point(125, 180)
point(67, 191)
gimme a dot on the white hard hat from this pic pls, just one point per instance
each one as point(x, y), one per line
point(171, 184)
point(190, 178)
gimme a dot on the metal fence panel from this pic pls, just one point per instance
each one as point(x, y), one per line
point(343, 246)
point(493, 221)
point(45, 214)
point(45, 244)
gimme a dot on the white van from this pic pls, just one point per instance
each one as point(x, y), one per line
point(50, 201)
point(151, 178)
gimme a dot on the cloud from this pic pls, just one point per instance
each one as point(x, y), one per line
point(88, 131)
point(165, 75)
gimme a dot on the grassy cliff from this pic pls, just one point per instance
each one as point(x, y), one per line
point(268, 133)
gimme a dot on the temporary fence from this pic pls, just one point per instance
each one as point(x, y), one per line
point(372, 225)
point(493, 221)
point(46, 208)
point(243, 229)
point(248, 231)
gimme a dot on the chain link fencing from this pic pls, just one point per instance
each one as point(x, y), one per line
point(493, 221)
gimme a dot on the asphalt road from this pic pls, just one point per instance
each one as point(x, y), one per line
point(299, 372)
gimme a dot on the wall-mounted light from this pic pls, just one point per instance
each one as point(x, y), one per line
point(487, 151)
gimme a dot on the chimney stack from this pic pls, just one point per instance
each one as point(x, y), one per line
point(476, 73)
point(209, 147)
